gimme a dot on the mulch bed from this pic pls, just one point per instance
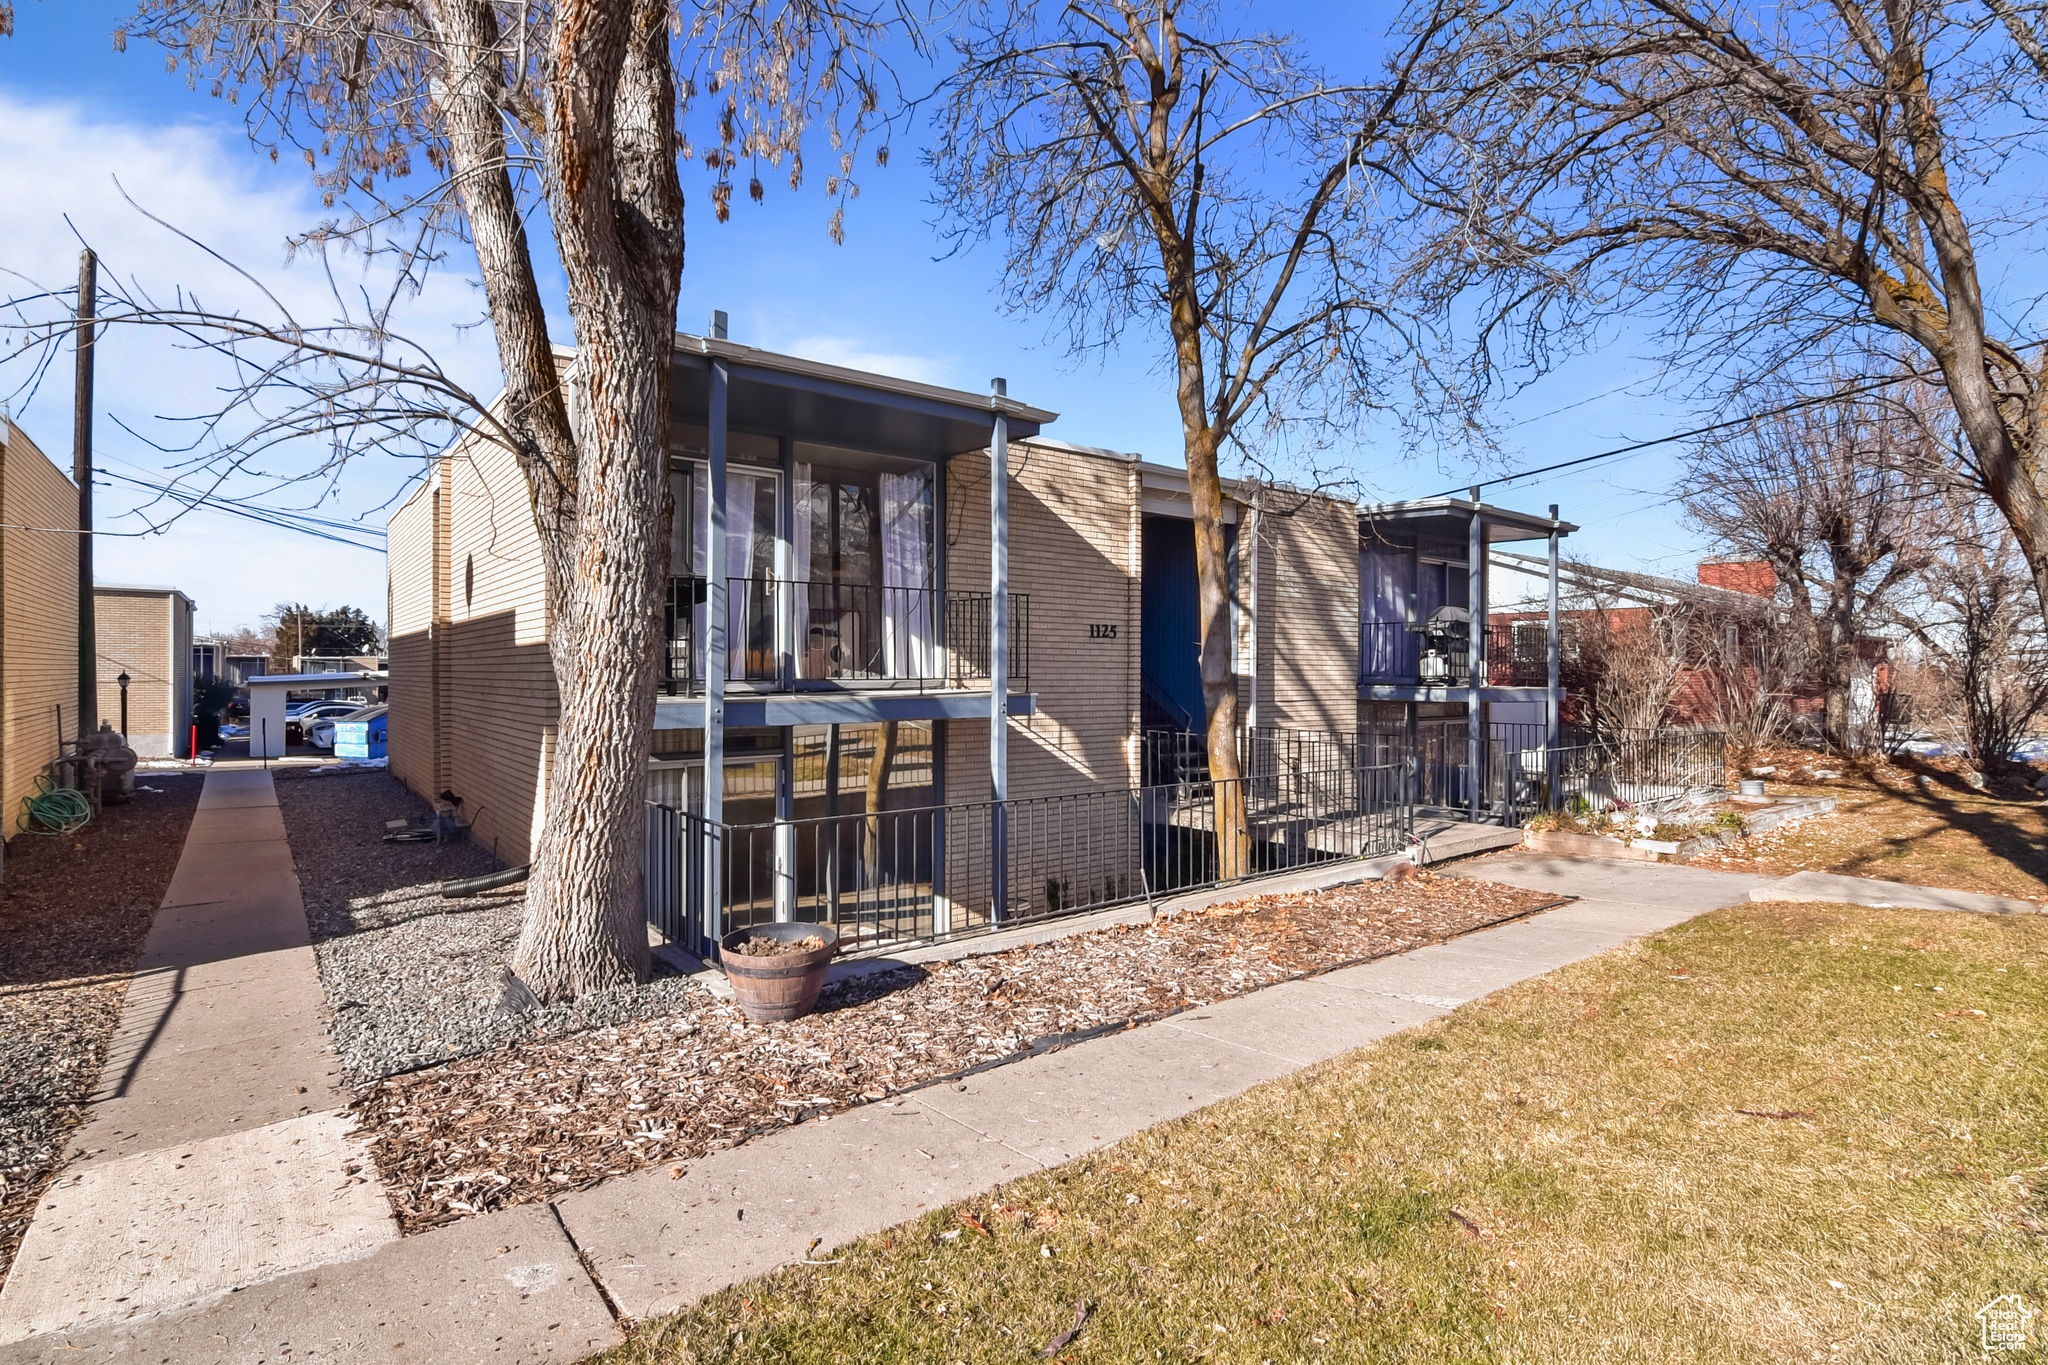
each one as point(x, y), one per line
point(74, 912)
point(546, 1116)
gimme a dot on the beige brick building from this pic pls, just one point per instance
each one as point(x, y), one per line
point(146, 633)
point(38, 615)
point(859, 530)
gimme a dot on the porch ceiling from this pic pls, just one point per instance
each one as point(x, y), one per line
point(807, 400)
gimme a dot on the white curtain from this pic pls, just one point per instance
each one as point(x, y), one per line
point(909, 633)
point(687, 540)
point(739, 562)
point(802, 493)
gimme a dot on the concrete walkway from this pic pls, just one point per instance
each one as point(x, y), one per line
point(217, 1156)
point(542, 1283)
point(532, 1284)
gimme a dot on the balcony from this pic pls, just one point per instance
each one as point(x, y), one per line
point(1394, 654)
point(800, 636)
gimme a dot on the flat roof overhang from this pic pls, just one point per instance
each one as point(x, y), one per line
point(835, 708)
point(780, 395)
point(1449, 518)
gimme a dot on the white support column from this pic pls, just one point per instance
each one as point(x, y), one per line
point(999, 647)
point(1475, 656)
point(1550, 697)
point(715, 652)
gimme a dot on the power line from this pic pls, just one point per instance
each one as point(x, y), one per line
point(1743, 421)
point(300, 522)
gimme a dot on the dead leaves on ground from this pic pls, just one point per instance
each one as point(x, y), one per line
point(550, 1115)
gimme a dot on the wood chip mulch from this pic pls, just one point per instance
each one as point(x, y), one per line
point(543, 1117)
point(74, 912)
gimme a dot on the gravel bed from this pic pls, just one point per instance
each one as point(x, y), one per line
point(549, 1115)
point(74, 913)
point(413, 979)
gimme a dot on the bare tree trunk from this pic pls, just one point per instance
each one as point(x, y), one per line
point(879, 766)
point(1212, 583)
point(617, 207)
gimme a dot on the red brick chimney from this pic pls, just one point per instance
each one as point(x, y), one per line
point(1752, 576)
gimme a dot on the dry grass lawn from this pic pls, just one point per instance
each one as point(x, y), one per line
point(1889, 827)
point(1762, 1136)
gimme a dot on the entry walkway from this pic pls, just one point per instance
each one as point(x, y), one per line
point(217, 1156)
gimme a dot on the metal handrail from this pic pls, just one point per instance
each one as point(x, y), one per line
point(842, 633)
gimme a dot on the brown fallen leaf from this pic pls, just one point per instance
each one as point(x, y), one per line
point(971, 1221)
point(1471, 1228)
point(1059, 1343)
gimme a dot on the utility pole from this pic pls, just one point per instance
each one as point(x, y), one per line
point(81, 474)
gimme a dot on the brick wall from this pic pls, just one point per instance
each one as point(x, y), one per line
point(1075, 534)
point(38, 615)
point(499, 702)
point(1308, 600)
point(147, 634)
point(414, 563)
point(1751, 576)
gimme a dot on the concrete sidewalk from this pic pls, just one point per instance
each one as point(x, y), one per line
point(218, 1155)
point(541, 1283)
point(530, 1284)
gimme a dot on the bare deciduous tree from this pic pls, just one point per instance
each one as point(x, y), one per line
point(1974, 613)
point(1838, 499)
point(574, 106)
point(1634, 656)
point(1766, 179)
point(1151, 169)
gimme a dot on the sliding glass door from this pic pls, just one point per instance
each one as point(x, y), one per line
point(866, 567)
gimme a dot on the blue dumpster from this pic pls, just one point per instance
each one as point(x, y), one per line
point(360, 738)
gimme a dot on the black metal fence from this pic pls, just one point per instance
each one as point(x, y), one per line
point(891, 877)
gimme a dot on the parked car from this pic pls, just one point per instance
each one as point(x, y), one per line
point(320, 733)
point(298, 719)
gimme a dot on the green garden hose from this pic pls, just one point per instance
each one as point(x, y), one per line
point(53, 809)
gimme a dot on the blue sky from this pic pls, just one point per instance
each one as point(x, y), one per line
point(79, 115)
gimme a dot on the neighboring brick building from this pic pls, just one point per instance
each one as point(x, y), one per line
point(38, 615)
point(146, 632)
point(1750, 576)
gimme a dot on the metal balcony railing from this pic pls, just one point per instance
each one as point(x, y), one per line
point(789, 634)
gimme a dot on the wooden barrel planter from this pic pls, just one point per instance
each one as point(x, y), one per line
point(777, 986)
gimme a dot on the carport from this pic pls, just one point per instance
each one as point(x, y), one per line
point(267, 699)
